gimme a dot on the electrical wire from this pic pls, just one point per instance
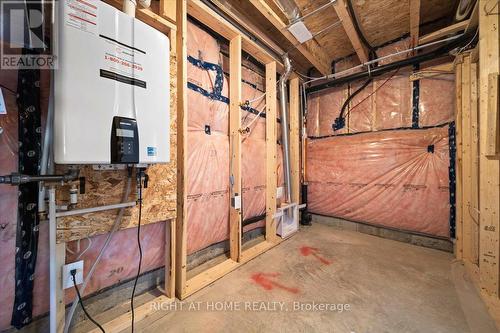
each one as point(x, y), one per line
point(114, 228)
point(73, 274)
point(372, 93)
point(8, 89)
point(340, 121)
point(140, 253)
point(256, 98)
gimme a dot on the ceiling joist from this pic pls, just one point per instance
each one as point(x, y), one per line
point(348, 24)
point(414, 22)
point(311, 50)
point(454, 28)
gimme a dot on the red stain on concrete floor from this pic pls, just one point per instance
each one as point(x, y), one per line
point(307, 251)
point(268, 282)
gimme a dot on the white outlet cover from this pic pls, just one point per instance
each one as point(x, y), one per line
point(67, 279)
point(279, 192)
point(300, 32)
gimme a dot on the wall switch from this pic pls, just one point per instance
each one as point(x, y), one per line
point(67, 279)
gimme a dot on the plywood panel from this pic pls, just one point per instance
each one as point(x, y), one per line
point(107, 187)
point(334, 41)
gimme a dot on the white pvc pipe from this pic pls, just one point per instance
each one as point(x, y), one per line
point(95, 209)
point(52, 260)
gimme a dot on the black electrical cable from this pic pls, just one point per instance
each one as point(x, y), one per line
point(73, 274)
point(340, 120)
point(373, 54)
point(140, 251)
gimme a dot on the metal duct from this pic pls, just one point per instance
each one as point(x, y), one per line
point(290, 9)
point(284, 126)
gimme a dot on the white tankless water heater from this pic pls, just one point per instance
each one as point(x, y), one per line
point(112, 88)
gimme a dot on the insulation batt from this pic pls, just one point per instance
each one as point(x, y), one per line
point(437, 100)
point(208, 164)
point(385, 178)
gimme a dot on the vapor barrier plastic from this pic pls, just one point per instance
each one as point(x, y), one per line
point(397, 179)
point(437, 100)
point(208, 163)
point(323, 108)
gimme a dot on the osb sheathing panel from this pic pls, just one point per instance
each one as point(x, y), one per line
point(385, 20)
point(380, 21)
point(334, 41)
point(107, 187)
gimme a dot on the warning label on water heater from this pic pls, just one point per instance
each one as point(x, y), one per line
point(123, 62)
point(82, 15)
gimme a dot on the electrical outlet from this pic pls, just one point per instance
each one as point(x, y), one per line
point(67, 278)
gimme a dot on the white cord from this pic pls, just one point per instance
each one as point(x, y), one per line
point(86, 249)
point(256, 98)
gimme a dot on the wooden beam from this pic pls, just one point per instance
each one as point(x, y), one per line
point(466, 159)
point(271, 176)
point(257, 250)
point(459, 234)
point(441, 33)
point(60, 302)
point(474, 208)
point(150, 16)
point(168, 10)
point(216, 272)
point(141, 312)
point(198, 10)
point(227, 7)
point(295, 128)
point(170, 248)
point(493, 126)
point(343, 14)
point(209, 276)
point(311, 50)
point(489, 182)
point(414, 22)
point(235, 146)
point(181, 224)
point(474, 18)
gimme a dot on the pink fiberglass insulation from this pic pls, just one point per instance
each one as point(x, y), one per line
point(393, 100)
point(385, 178)
point(208, 153)
point(322, 110)
point(437, 100)
point(401, 45)
point(201, 46)
point(203, 111)
point(118, 264)
point(360, 115)
point(208, 189)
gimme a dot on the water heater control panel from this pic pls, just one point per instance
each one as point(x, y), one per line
point(112, 88)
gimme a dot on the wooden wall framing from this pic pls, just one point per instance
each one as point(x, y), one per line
point(478, 187)
point(238, 42)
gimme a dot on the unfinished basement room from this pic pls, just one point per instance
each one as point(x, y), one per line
point(249, 166)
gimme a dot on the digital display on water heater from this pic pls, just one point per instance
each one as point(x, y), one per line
point(125, 133)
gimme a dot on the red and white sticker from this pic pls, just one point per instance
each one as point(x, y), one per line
point(82, 15)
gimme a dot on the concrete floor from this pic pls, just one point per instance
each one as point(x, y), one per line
point(382, 286)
